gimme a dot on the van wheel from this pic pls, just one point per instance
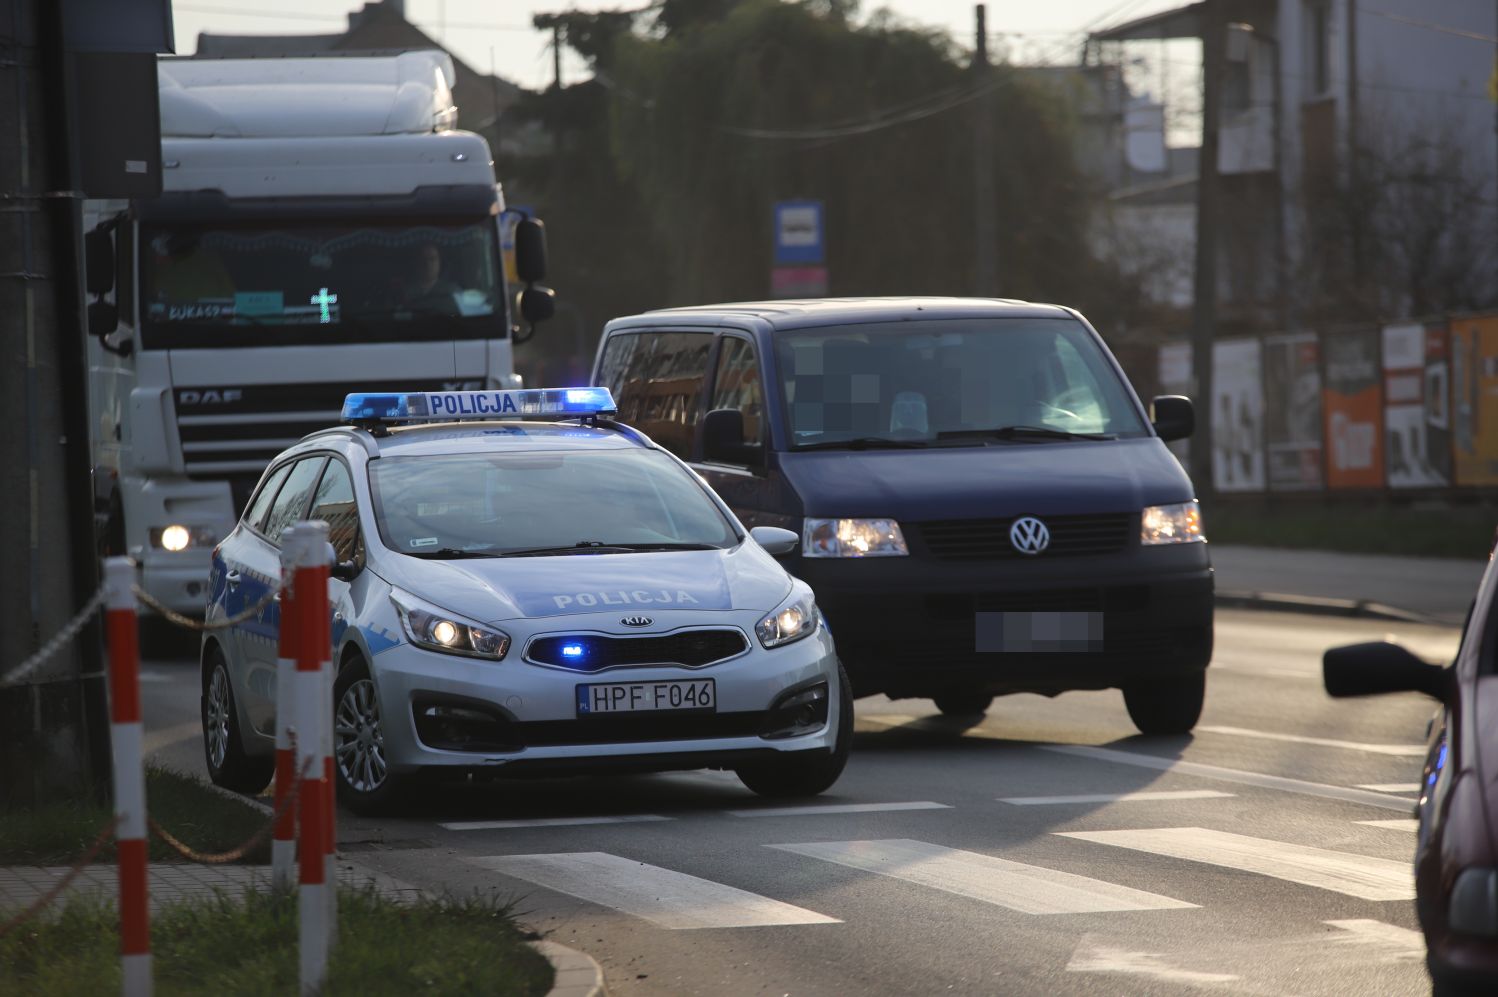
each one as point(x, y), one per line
point(365, 783)
point(796, 774)
point(223, 747)
point(1166, 706)
point(963, 704)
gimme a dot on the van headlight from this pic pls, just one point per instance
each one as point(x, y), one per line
point(797, 617)
point(1172, 524)
point(852, 538)
point(438, 630)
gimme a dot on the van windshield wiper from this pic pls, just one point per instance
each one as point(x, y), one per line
point(450, 553)
point(863, 443)
point(1022, 433)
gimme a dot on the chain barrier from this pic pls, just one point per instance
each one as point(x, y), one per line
point(172, 616)
point(255, 840)
point(62, 884)
point(57, 643)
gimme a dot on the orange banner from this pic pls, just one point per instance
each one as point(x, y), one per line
point(1353, 407)
point(1474, 398)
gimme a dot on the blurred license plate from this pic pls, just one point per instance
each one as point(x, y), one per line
point(646, 697)
point(1032, 632)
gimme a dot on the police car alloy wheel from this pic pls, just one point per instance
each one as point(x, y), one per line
point(223, 745)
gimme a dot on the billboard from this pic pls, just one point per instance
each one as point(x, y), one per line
point(1417, 421)
point(1237, 416)
point(1292, 412)
point(1474, 399)
point(1352, 409)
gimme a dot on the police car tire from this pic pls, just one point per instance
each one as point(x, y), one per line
point(963, 704)
point(239, 772)
point(796, 775)
point(392, 795)
point(1166, 706)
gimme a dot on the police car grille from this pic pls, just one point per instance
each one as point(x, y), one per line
point(988, 539)
point(692, 648)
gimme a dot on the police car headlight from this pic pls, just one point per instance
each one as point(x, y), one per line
point(1172, 524)
point(177, 537)
point(797, 617)
point(852, 538)
point(438, 630)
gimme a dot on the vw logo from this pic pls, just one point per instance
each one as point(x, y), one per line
point(645, 621)
point(1029, 535)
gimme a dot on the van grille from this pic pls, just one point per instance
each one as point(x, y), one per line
point(988, 539)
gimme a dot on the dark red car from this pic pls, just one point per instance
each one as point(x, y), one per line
point(1456, 858)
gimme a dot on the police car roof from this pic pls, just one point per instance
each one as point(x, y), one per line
point(811, 312)
point(469, 436)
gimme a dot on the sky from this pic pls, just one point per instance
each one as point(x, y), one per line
point(497, 34)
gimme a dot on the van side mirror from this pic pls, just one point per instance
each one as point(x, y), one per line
point(530, 250)
point(537, 304)
point(1379, 667)
point(1173, 417)
point(723, 439)
point(98, 257)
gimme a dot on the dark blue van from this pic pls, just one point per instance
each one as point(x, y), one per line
point(984, 504)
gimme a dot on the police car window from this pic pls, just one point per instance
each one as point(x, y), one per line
point(291, 502)
point(736, 385)
point(334, 504)
point(657, 379)
point(493, 503)
point(918, 380)
point(255, 515)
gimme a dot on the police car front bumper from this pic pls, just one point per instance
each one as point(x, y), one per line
point(513, 716)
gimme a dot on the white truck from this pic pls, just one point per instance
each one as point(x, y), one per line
point(323, 229)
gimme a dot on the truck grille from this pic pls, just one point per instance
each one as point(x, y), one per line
point(692, 648)
point(988, 539)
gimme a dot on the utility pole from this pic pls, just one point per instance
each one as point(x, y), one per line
point(1204, 308)
point(985, 234)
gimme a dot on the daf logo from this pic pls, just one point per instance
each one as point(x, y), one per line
point(1029, 535)
point(637, 621)
point(210, 396)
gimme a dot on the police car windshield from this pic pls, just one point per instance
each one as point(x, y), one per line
point(949, 379)
point(539, 504)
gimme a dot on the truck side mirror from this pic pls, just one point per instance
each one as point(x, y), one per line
point(98, 254)
point(103, 318)
point(530, 250)
point(537, 304)
point(1173, 417)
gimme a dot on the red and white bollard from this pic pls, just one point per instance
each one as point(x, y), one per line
point(126, 733)
point(283, 843)
point(308, 597)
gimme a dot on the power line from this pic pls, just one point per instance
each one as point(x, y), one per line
point(296, 15)
point(1431, 25)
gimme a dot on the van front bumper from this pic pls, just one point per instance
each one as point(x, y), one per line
point(913, 626)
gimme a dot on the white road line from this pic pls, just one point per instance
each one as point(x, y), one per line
point(839, 808)
point(505, 825)
point(1167, 794)
point(1095, 956)
point(1259, 779)
point(1401, 750)
point(1408, 824)
point(1391, 787)
point(1342, 872)
point(1028, 889)
point(1395, 944)
point(665, 898)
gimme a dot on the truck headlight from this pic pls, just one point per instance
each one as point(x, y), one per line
point(797, 617)
point(1172, 524)
point(852, 538)
point(438, 630)
point(176, 537)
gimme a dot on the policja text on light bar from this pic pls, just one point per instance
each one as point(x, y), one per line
point(529, 403)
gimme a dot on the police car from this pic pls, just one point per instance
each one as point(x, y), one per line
point(523, 585)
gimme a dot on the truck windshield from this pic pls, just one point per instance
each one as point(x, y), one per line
point(1014, 379)
point(222, 276)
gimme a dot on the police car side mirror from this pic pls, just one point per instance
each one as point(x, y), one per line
point(775, 541)
point(345, 571)
point(1173, 417)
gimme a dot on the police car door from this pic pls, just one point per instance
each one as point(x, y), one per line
point(227, 582)
point(334, 504)
point(258, 562)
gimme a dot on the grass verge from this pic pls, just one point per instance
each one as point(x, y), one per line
point(58, 833)
point(1464, 531)
point(247, 945)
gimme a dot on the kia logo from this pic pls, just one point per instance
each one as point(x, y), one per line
point(637, 621)
point(1029, 535)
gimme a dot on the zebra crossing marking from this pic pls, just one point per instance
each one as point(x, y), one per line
point(1409, 824)
point(505, 825)
point(1400, 750)
point(839, 808)
point(1139, 797)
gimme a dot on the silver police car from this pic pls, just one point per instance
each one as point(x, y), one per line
point(523, 585)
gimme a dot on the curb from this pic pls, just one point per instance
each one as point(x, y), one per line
point(578, 974)
point(1322, 606)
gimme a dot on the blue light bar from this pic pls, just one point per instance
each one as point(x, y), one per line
point(529, 403)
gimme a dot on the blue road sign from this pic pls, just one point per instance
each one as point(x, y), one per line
point(798, 233)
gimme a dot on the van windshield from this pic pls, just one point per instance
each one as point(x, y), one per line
point(926, 381)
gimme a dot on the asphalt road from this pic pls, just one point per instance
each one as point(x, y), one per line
point(1047, 850)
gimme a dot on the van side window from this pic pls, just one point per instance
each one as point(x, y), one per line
point(657, 380)
point(737, 386)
